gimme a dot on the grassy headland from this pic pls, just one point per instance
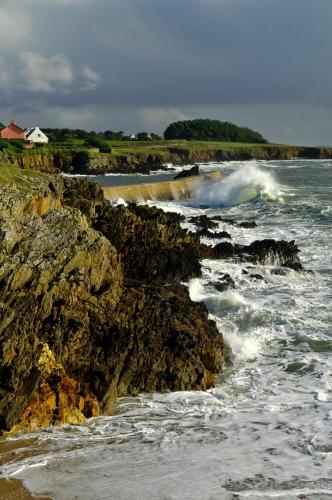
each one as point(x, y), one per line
point(130, 156)
point(14, 175)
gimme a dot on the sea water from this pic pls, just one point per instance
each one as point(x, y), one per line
point(265, 430)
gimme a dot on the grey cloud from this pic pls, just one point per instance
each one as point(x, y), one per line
point(36, 73)
point(45, 74)
point(193, 56)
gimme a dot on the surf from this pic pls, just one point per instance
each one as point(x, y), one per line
point(246, 183)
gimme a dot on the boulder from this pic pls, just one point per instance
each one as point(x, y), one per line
point(188, 172)
point(266, 252)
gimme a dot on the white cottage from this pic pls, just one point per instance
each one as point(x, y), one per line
point(36, 135)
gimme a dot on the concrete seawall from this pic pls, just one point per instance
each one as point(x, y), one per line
point(178, 189)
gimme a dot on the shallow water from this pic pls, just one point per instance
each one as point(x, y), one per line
point(265, 430)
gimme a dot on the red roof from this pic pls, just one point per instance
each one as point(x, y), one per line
point(13, 131)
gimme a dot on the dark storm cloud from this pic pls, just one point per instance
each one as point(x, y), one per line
point(184, 55)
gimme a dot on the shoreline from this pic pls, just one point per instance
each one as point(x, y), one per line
point(142, 159)
point(96, 308)
point(288, 365)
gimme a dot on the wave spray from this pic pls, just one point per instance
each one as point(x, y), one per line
point(244, 184)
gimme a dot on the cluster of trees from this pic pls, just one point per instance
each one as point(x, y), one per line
point(67, 135)
point(203, 130)
point(208, 130)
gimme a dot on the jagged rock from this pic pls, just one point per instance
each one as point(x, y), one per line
point(248, 224)
point(233, 222)
point(58, 398)
point(82, 322)
point(188, 173)
point(152, 244)
point(224, 250)
point(226, 282)
point(266, 252)
point(83, 194)
point(56, 273)
point(209, 234)
point(256, 276)
point(279, 272)
point(203, 222)
point(225, 220)
point(28, 197)
point(169, 343)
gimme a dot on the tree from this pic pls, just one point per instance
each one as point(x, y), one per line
point(155, 137)
point(142, 136)
point(98, 143)
point(208, 130)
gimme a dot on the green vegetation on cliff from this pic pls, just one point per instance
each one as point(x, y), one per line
point(13, 175)
point(207, 130)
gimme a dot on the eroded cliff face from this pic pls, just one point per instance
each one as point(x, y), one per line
point(84, 162)
point(87, 162)
point(91, 306)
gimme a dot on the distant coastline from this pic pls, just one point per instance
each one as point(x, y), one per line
point(143, 157)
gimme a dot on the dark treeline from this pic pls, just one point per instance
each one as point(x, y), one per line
point(66, 134)
point(208, 130)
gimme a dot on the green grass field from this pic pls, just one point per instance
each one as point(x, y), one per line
point(140, 148)
point(134, 147)
point(157, 147)
point(13, 175)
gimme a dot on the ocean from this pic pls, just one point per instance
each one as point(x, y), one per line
point(265, 430)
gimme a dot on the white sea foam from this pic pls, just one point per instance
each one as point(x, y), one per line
point(244, 184)
point(63, 174)
point(119, 201)
point(196, 290)
point(243, 346)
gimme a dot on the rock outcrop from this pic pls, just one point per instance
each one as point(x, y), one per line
point(91, 305)
point(188, 172)
point(266, 252)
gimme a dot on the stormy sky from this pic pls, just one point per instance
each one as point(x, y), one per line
point(137, 65)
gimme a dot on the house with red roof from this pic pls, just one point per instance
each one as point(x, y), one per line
point(13, 132)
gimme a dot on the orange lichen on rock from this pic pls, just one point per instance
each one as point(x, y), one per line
point(57, 399)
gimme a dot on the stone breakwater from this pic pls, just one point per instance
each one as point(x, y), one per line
point(92, 163)
point(180, 188)
point(92, 306)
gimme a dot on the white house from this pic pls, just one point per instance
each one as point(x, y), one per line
point(36, 135)
point(133, 137)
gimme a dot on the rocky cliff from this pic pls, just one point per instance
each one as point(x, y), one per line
point(91, 305)
point(92, 163)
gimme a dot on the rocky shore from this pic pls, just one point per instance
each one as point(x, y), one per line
point(94, 163)
point(92, 306)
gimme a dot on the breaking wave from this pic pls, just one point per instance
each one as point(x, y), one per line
point(244, 184)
